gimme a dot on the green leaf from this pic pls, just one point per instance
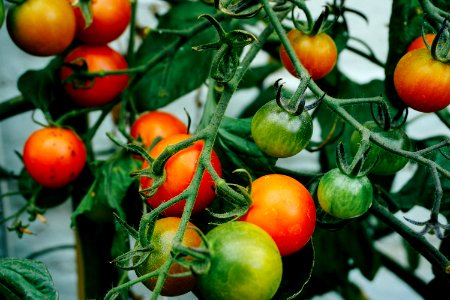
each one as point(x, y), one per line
point(255, 77)
point(185, 69)
point(297, 270)
point(25, 279)
point(85, 8)
point(107, 192)
point(237, 149)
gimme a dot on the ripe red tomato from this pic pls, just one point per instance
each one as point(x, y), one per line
point(161, 243)
point(317, 53)
point(104, 89)
point(422, 82)
point(54, 156)
point(418, 42)
point(110, 18)
point(153, 124)
point(41, 27)
point(180, 169)
point(284, 208)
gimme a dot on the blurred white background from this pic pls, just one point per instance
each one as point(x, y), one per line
point(15, 130)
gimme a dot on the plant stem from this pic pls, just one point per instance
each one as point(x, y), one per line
point(14, 106)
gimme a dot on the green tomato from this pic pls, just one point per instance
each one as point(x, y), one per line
point(343, 196)
point(388, 163)
point(279, 133)
point(245, 263)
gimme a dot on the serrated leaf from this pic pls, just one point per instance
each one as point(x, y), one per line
point(25, 279)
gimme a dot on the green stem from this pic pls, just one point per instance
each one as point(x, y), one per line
point(14, 106)
point(418, 242)
point(131, 40)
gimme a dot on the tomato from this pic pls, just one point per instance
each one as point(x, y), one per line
point(161, 243)
point(343, 196)
point(180, 169)
point(245, 264)
point(317, 53)
point(284, 208)
point(103, 89)
point(153, 124)
point(110, 18)
point(42, 27)
point(54, 157)
point(422, 82)
point(279, 133)
point(388, 163)
point(418, 42)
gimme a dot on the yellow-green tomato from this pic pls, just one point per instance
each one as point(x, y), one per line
point(245, 264)
point(280, 133)
point(343, 196)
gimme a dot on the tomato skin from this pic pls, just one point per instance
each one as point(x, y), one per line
point(284, 208)
point(418, 42)
point(162, 242)
point(245, 264)
point(279, 133)
point(422, 82)
point(180, 169)
point(42, 27)
point(150, 125)
point(388, 163)
point(343, 196)
point(104, 89)
point(110, 18)
point(54, 157)
point(317, 53)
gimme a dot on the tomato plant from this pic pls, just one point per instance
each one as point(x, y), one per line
point(386, 163)
point(100, 90)
point(245, 263)
point(53, 156)
point(2, 13)
point(344, 196)
point(180, 170)
point(162, 240)
point(422, 82)
point(317, 53)
point(153, 124)
point(280, 133)
point(42, 27)
point(283, 207)
point(110, 18)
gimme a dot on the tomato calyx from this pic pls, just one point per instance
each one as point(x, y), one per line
point(242, 9)
point(296, 105)
point(229, 48)
point(383, 119)
point(321, 24)
point(357, 168)
point(86, 11)
point(440, 47)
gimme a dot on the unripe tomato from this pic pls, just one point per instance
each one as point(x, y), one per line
point(153, 124)
point(42, 27)
point(110, 18)
point(180, 169)
point(422, 82)
point(418, 42)
point(161, 243)
point(343, 196)
point(103, 89)
point(279, 133)
point(245, 264)
point(54, 157)
point(317, 53)
point(388, 163)
point(284, 208)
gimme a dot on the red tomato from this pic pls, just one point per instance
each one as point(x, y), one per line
point(283, 207)
point(104, 89)
point(419, 43)
point(317, 53)
point(42, 27)
point(54, 157)
point(180, 169)
point(422, 82)
point(110, 18)
point(153, 124)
